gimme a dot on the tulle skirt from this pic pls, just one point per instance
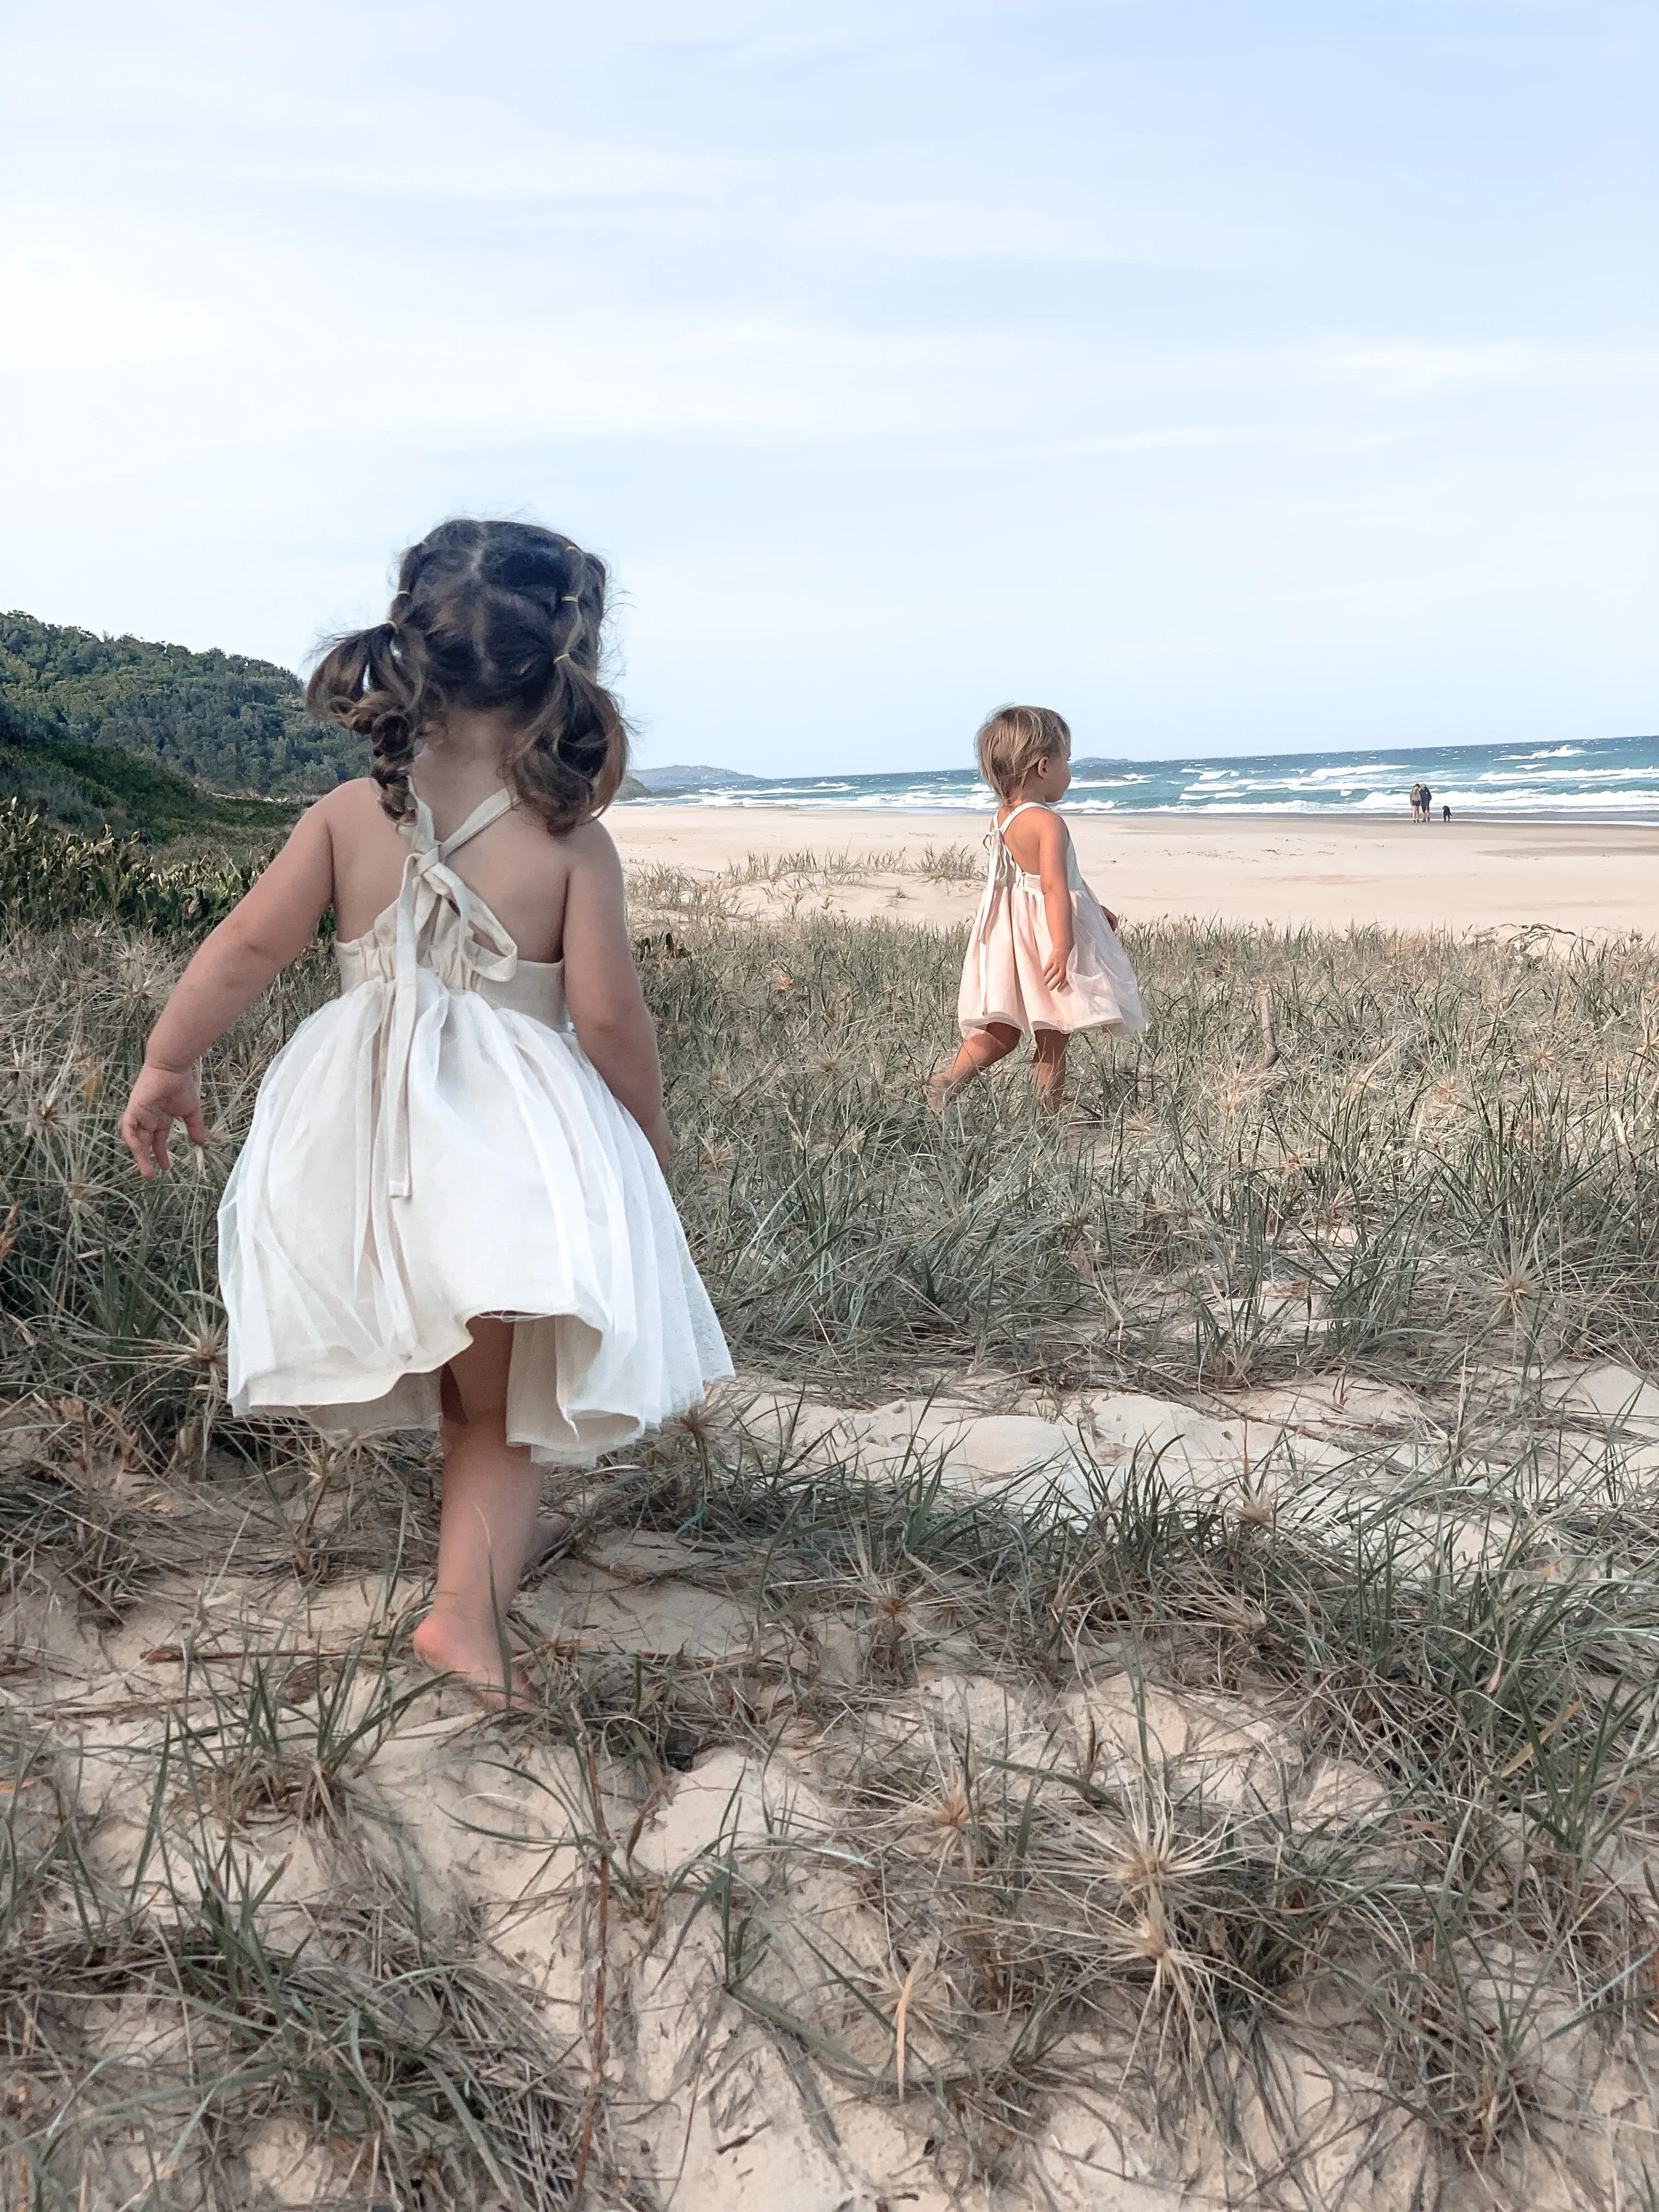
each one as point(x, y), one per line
point(534, 1196)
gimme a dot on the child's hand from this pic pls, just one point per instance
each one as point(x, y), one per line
point(1057, 967)
point(160, 1096)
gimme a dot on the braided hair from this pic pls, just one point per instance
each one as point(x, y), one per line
point(487, 614)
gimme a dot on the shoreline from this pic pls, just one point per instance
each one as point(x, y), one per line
point(692, 810)
point(1492, 818)
point(1293, 871)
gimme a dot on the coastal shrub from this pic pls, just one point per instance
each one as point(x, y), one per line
point(50, 875)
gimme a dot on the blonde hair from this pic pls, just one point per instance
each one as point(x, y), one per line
point(1013, 740)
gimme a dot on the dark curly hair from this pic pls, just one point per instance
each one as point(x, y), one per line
point(487, 614)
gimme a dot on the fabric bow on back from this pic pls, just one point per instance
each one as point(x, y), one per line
point(437, 914)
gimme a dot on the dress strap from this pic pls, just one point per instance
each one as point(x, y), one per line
point(1003, 863)
point(1024, 806)
point(498, 803)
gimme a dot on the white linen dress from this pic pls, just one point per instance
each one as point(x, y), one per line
point(1002, 979)
point(433, 1145)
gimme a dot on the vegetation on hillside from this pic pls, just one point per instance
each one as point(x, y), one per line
point(235, 724)
point(99, 789)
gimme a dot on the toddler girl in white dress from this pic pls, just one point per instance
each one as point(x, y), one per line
point(1043, 957)
point(449, 1211)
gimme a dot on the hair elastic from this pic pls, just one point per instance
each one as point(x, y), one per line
point(558, 657)
point(570, 600)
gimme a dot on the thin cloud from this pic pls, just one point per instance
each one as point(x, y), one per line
point(1427, 369)
point(898, 228)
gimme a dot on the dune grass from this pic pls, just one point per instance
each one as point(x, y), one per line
point(1408, 1153)
point(1426, 1927)
point(1408, 1159)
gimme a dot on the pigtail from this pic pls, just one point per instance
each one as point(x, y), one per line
point(488, 615)
point(364, 683)
point(372, 682)
point(570, 762)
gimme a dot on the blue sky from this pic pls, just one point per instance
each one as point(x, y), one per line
point(1234, 378)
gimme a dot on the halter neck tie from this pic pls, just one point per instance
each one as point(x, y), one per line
point(461, 938)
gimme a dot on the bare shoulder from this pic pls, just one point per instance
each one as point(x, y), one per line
point(349, 810)
point(1037, 839)
point(1052, 839)
point(592, 851)
point(353, 819)
point(350, 804)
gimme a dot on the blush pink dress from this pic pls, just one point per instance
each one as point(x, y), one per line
point(1002, 979)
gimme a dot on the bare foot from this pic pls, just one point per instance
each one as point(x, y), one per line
point(449, 1646)
point(551, 1529)
point(942, 1088)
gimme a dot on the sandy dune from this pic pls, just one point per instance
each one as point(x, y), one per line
point(820, 1744)
point(1467, 875)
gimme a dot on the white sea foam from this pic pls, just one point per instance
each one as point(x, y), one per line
point(1616, 777)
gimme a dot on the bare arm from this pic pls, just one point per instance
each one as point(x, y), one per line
point(1053, 840)
point(602, 987)
point(250, 948)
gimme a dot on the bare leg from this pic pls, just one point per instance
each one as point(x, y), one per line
point(983, 1049)
point(489, 1531)
point(1049, 1068)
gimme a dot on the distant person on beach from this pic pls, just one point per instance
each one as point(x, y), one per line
point(1043, 959)
point(1416, 802)
point(450, 1213)
point(1428, 804)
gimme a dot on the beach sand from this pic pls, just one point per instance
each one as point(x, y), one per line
point(1585, 877)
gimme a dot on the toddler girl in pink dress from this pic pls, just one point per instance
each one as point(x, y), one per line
point(1043, 959)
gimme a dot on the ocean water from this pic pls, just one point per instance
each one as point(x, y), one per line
point(1612, 779)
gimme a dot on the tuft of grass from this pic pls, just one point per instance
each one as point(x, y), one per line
point(148, 2046)
point(1467, 1911)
